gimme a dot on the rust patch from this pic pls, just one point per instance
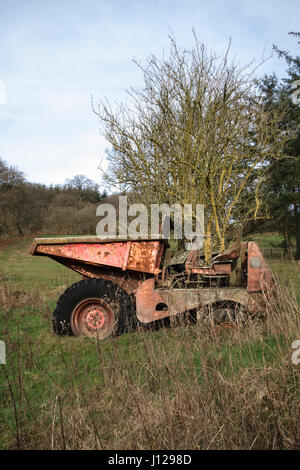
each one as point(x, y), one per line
point(127, 280)
point(138, 255)
point(146, 301)
point(183, 300)
point(260, 277)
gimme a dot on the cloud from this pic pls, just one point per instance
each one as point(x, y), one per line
point(54, 55)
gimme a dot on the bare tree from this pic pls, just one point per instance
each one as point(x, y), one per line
point(196, 132)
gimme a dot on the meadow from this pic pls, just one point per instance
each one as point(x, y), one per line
point(184, 387)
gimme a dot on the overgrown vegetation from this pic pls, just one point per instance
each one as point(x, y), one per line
point(187, 387)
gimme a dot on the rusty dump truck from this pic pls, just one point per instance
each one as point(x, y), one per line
point(142, 279)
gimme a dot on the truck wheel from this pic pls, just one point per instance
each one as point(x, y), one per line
point(226, 314)
point(92, 307)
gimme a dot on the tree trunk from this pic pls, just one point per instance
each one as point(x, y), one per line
point(297, 234)
point(21, 233)
point(288, 252)
point(207, 243)
point(297, 254)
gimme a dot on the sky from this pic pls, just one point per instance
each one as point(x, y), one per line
point(56, 55)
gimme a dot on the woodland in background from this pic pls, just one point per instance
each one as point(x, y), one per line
point(36, 209)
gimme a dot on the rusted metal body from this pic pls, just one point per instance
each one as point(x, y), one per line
point(259, 274)
point(242, 269)
point(238, 275)
point(124, 262)
point(154, 304)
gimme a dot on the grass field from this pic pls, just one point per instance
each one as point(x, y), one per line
point(189, 387)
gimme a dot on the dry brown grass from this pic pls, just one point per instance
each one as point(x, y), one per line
point(189, 387)
point(183, 388)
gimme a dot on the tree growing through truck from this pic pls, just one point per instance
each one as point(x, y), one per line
point(196, 132)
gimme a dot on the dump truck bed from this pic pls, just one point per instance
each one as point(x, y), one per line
point(135, 255)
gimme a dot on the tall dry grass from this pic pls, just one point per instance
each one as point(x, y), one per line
point(189, 387)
